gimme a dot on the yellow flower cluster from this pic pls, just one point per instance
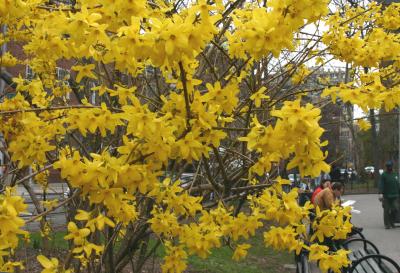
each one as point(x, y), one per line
point(390, 18)
point(29, 137)
point(291, 235)
point(364, 47)
point(82, 248)
point(199, 238)
point(369, 91)
point(122, 33)
point(280, 206)
point(114, 152)
point(296, 132)
point(300, 74)
point(94, 119)
point(225, 97)
point(260, 31)
point(329, 261)
point(51, 265)
point(8, 60)
point(108, 181)
point(283, 239)
point(11, 206)
point(175, 260)
point(240, 252)
point(274, 204)
point(364, 125)
point(10, 10)
point(333, 224)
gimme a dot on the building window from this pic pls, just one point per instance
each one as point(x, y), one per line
point(62, 74)
point(93, 95)
point(29, 74)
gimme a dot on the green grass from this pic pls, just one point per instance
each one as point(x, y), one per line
point(56, 241)
point(259, 259)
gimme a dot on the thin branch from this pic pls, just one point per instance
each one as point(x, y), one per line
point(186, 94)
point(84, 148)
point(55, 108)
point(221, 167)
point(22, 180)
point(54, 208)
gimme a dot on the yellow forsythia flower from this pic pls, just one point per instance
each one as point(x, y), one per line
point(240, 252)
point(363, 124)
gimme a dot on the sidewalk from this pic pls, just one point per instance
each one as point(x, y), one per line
point(54, 191)
point(371, 219)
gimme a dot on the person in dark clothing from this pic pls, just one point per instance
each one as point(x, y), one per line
point(389, 192)
point(335, 174)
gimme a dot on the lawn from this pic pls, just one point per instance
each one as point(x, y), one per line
point(259, 260)
point(56, 241)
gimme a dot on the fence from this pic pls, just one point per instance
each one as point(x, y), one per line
point(361, 184)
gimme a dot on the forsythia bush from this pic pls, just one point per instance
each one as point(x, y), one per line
point(157, 86)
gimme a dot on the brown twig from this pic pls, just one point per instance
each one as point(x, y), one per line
point(53, 209)
point(32, 175)
point(55, 108)
point(186, 94)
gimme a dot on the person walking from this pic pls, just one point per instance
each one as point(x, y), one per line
point(388, 195)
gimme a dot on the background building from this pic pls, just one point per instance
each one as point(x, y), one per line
point(337, 119)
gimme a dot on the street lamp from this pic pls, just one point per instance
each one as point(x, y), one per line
point(398, 148)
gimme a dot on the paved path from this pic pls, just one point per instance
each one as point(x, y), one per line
point(371, 219)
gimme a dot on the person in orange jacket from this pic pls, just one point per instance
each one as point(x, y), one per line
point(326, 198)
point(325, 183)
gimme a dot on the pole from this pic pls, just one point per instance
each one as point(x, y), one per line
point(2, 88)
point(3, 51)
point(375, 146)
point(398, 148)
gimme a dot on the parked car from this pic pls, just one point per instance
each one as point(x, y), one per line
point(292, 178)
point(347, 175)
point(186, 179)
point(371, 170)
